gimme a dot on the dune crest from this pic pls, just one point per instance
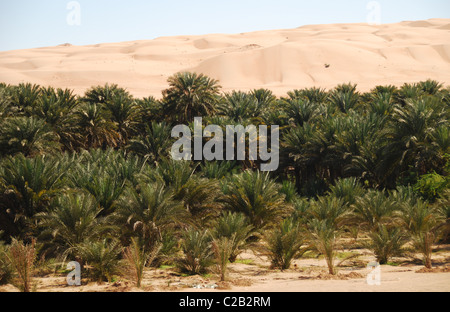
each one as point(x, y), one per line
point(280, 60)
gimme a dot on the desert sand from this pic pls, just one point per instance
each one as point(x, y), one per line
point(280, 60)
point(252, 273)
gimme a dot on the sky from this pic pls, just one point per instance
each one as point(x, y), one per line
point(40, 23)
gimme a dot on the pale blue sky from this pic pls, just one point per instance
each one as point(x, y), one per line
point(40, 23)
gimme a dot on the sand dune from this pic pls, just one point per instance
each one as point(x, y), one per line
point(281, 60)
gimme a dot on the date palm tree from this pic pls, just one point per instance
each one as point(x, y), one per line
point(422, 222)
point(72, 219)
point(154, 143)
point(27, 135)
point(190, 95)
point(283, 244)
point(148, 211)
point(28, 185)
point(257, 196)
point(236, 227)
point(95, 130)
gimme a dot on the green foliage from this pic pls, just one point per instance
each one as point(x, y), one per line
point(198, 254)
point(101, 258)
point(283, 244)
point(236, 227)
point(387, 242)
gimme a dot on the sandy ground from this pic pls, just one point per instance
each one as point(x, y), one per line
point(252, 274)
point(280, 60)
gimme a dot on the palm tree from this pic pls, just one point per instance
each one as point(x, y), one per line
point(387, 242)
point(301, 111)
point(123, 112)
point(323, 236)
point(257, 196)
point(283, 244)
point(422, 223)
point(239, 106)
point(28, 185)
point(102, 258)
point(95, 130)
point(198, 254)
point(331, 210)
point(148, 211)
point(137, 258)
point(103, 94)
point(29, 136)
point(25, 96)
point(374, 209)
point(313, 95)
point(345, 97)
point(348, 189)
point(223, 248)
point(236, 227)
point(154, 144)
point(190, 95)
point(72, 219)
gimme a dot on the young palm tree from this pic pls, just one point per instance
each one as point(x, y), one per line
point(102, 258)
point(331, 210)
point(148, 211)
point(223, 248)
point(22, 257)
point(374, 209)
point(348, 189)
point(72, 219)
point(198, 254)
point(190, 95)
point(6, 267)
point(235, 227)
point(422, 222)
point(387, 242)
point(283, 244)
point(257, 196)
point(323, 236)
point(137, 258)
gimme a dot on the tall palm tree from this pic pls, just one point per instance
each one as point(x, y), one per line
point(190, 95)
point(122, 110)
point(95, 130)
point(154, 144)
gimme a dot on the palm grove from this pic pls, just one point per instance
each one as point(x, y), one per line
point(89, 178)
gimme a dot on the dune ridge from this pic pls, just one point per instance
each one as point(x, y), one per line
point(280, 60)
